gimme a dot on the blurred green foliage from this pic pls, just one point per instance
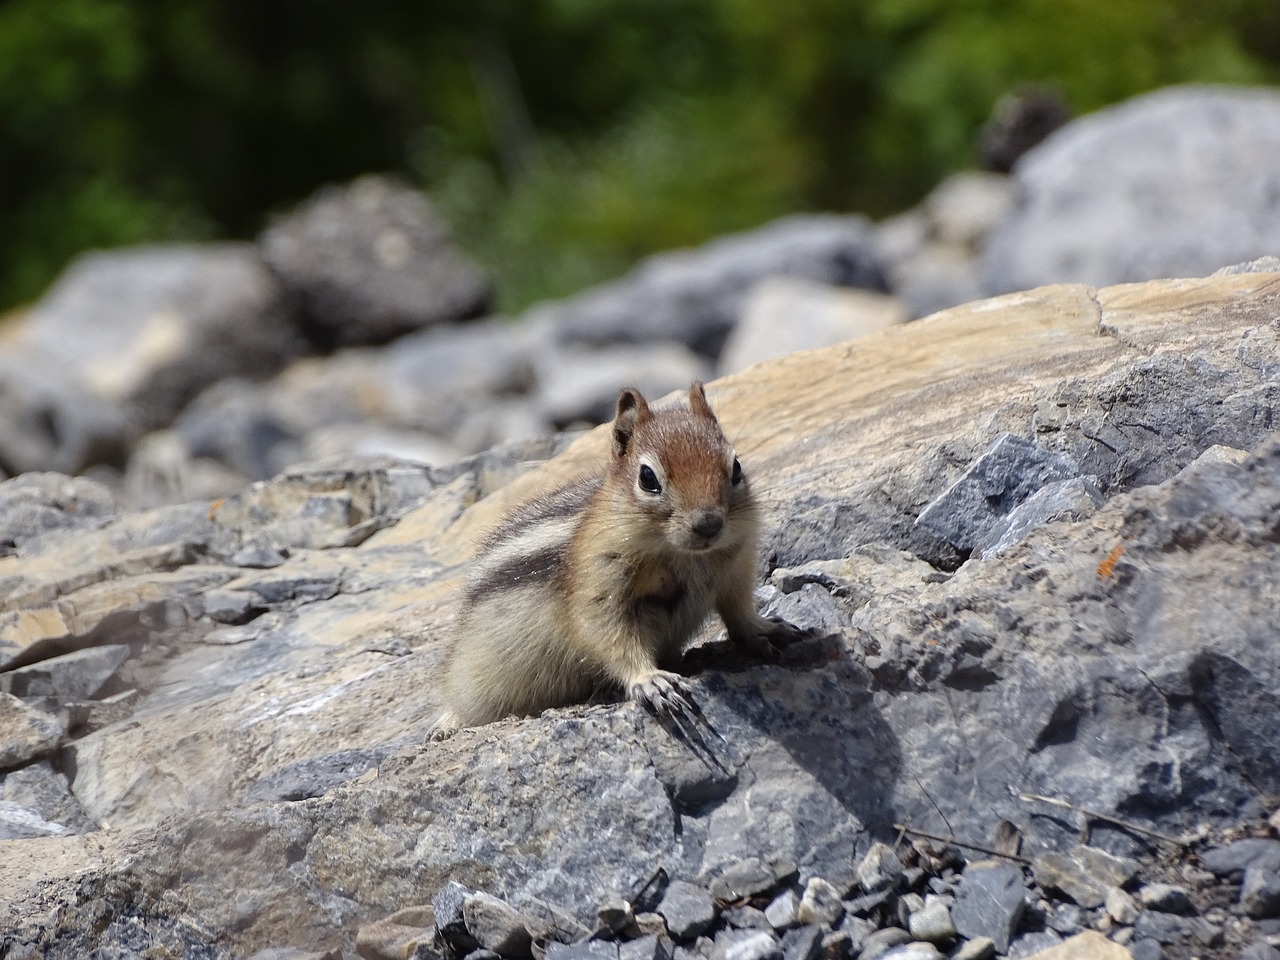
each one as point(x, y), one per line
point(563, 138)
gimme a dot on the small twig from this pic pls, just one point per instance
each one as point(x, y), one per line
point(1098, 815)
point(929, 797)
point(902, 827)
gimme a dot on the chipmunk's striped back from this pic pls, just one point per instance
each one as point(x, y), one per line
point(602, 581)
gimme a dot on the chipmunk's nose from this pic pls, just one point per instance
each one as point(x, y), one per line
point(707, 523)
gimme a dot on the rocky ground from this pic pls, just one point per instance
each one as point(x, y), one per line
point(1036, 538)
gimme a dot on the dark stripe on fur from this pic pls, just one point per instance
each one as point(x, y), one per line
point(518, 572)
point(561, 503)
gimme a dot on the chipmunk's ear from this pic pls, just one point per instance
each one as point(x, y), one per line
point(698, 402)
point(632, 411)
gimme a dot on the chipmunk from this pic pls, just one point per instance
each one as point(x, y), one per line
point(604, 580)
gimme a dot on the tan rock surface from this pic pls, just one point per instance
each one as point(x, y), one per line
point(338, 677)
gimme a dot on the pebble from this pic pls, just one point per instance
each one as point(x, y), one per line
point(1067, 918)
point(746, 918)
point(782, 911)
point(882, 941)
point(979, 948)
point(688, 910)
point(880, 869)
point(1146, 949)
point(447, 906)
point(591, 950)
point(1237, 856)
point(858, 930)
point(802, 943)
point(1165, 897)
point(932, 922)
point(1120, 906)
point(1031, 944)
point(747, 945)
point(616, 915)
point(837, 945)
point(1164, 928)
point(1084, 874)
point(649, 947)
point(496, 926)
point(989, 902)
point(1260, 893)
point(751, 876)
point(820, 903)
point(913, 951)
point(1260, 951)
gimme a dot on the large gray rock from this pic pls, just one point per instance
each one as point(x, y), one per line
point(125, 338)
point(372, 260)
point(1175, 183)
point(272, 784)
point(695, 296)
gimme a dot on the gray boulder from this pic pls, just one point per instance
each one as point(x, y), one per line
point(695, 296)
point(124, 339)
point(1175, 183)
point(372, 260)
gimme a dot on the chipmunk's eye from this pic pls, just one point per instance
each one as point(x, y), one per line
point(649, 480)
point(737, 472)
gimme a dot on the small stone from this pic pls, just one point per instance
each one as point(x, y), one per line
point(232, 606)
point(746, 918)
point(1067, 918)
point(932, 922)
point(858, 929)
point(1146, 949)
point(652, 924)
point(259, 557)
point(989, 902)
point(1165, 928)
point(912, 951)
point(1165, 897)
point(1238, 856)
point(616, 915)
point(28, 733)
point(906, 905)
point(398, 935)
point(1273, 822)
point(1084, 874)
point(880, 869)
point(480, 953)
point(802, 943)
point(72, 676)
point(747, 945)
point(648, 947)
point(1120, 906)
point(751, 876)
point(979, 948)
point(1260, 893)
point(820, 903)
point(1034, 944)
point(837, 945)
point(590, 950)
point(782, 911)
point(865, 904)
point(688, 910)
point(882, 941)
point(1089, 945)
point(447, 905)
point(1259, 951)
point(497, 926)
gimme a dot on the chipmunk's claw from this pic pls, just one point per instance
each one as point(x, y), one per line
point(666, 695)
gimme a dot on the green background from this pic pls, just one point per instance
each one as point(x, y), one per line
point(563, 139)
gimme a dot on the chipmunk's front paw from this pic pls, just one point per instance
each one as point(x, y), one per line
point(663, 694)
point(445, 726)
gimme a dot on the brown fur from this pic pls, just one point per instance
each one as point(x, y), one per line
point(603, 582)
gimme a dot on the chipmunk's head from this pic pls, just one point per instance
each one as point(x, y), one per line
point(680, 474)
